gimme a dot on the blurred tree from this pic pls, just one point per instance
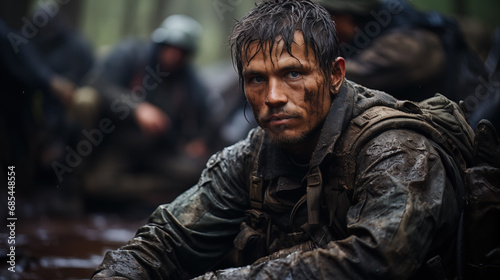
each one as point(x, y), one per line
point(129, 16)
point(460, 7)
point(72, 10)
point(158, 14)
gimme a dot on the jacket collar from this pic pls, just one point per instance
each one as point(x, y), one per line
point(337, 119)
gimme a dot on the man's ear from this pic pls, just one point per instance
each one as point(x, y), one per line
point(338, 74)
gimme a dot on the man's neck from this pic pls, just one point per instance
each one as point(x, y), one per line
point(301, 153)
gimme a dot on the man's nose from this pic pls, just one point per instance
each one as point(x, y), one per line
point(276, 93)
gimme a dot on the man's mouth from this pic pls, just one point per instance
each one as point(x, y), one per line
point(278, 119)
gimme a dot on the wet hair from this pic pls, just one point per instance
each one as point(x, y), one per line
point(272, 21)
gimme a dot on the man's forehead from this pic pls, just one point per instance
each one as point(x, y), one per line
point(298, 49)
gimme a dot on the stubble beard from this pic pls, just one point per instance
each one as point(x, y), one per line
point(276, 136)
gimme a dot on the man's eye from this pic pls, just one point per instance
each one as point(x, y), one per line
point(293, 74)
point(256, 79)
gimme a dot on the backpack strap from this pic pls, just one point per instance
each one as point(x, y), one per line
point(314, 188)
point(256, 193)
point(373, 122)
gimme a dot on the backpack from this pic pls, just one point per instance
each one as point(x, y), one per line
point(477, 184)
point(481, 224)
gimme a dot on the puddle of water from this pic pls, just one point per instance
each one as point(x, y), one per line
point(59, 248)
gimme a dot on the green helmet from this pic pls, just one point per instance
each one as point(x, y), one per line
point(359, 7)
point(180, 31)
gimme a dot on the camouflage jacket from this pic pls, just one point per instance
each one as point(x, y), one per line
point(401, 212)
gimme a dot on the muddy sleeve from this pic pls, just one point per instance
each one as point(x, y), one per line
point(188, 236)
point(404, 207)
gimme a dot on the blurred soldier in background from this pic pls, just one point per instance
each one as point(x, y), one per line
point(65, 50)
point(42, 71)
point(159, 106)
point(391, 46)
point(27, 81)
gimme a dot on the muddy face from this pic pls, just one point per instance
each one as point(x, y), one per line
point(287, 92)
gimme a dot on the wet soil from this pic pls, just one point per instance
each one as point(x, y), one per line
point(61, 248)
point(70, 241)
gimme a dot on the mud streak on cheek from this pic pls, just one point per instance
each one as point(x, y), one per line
point(312, 101)
point(314, 98)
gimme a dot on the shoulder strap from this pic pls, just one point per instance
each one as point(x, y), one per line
point(373, 122)
point(255, 182)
